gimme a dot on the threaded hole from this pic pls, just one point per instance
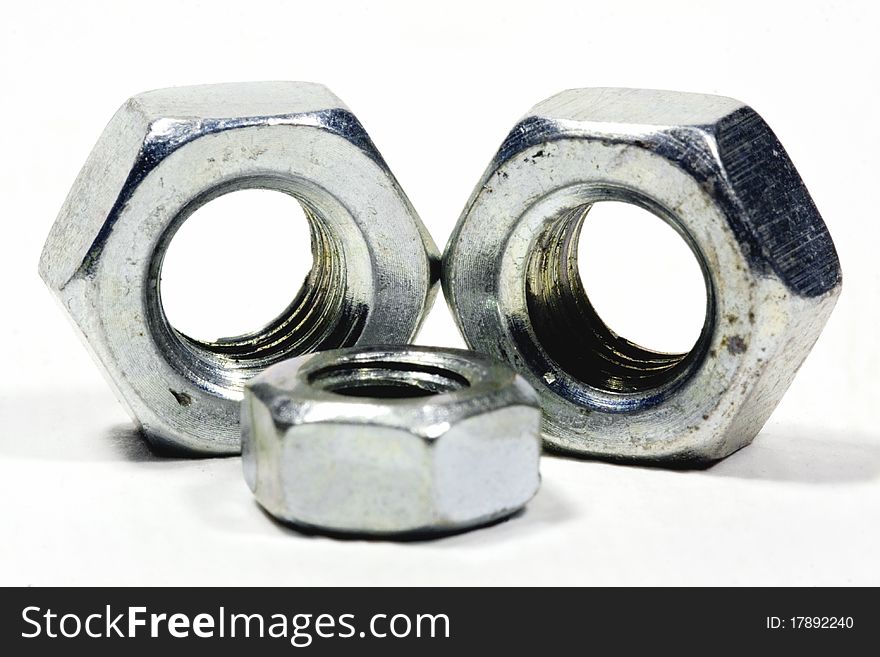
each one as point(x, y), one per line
point(571, 331)
point(308, 321)
point(642, 278)
point(387, 379)
point(320, 316)
point(234, 265)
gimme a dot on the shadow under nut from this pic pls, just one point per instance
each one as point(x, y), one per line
point(166, 153)
point(713, 170)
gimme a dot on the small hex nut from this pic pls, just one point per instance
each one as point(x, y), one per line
point(381, 441)
point(713, 169)
point(163, 155)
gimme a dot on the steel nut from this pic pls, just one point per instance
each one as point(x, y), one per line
point(390, 440)
point(710, 167)
point(164, 154)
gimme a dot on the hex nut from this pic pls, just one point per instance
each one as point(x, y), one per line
point(710, 167)
point(167, 152)
point(408, 440)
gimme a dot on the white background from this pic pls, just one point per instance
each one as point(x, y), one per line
point(83, 501)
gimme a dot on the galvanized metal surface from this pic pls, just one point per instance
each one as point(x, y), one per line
point(388, 440)
point(713, 170)
point(164, 154)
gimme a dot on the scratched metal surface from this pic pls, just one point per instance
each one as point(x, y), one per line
point(167, 152)
point(713, 170)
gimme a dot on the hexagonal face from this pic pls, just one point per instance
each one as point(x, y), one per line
point(329, 459)
point(711, 168)
point(163, 155)
point(485, 466)
point(352, 476)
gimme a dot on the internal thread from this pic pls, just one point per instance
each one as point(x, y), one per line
point(568, 327)
point(387, 379)
point(319, 317)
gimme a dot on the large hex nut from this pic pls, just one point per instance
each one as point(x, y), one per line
point(712, 168)
point(390, 440)
point(164, 154)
